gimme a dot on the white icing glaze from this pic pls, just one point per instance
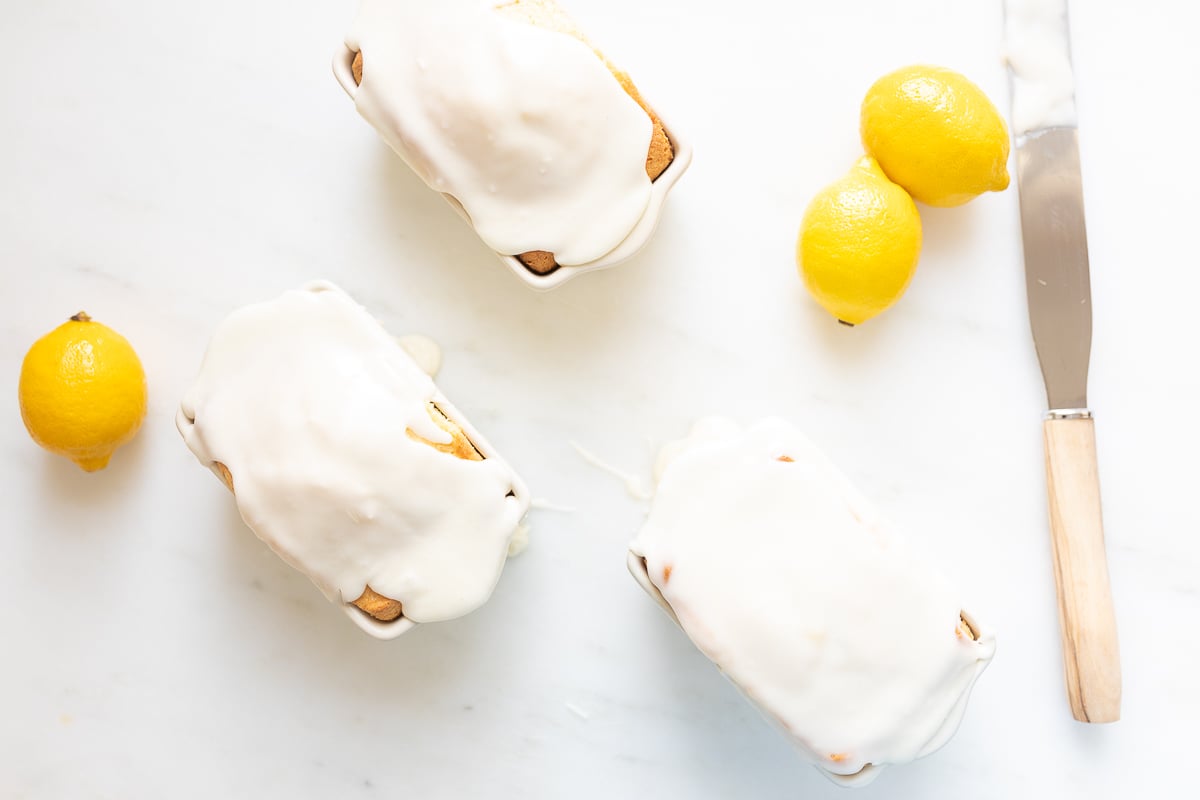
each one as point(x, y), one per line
point(1038, 51)
point(525, 127)
point(519, 541)
point(784, 576)
point(308, 401)
point(424, 351)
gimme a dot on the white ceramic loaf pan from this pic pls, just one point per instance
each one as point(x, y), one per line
point(343, 62)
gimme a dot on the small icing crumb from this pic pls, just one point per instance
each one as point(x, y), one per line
point(519, 541)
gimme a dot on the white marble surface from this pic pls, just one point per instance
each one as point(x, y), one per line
point(163, 162)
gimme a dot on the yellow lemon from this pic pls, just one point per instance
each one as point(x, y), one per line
point(859, 243)
point(936, 134)
point(82, 391)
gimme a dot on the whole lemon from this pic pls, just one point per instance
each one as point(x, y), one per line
point(859, 243)
point(82, 391)
point(936, 134)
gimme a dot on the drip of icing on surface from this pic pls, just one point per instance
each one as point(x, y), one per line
point(633, 484)
point(1038, 52)
point(542, 504)
point(309, 402)
point(783, 575)
point(525, 127)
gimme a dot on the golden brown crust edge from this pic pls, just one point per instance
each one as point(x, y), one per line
point(371, 602)
point(965, 629)
point(658, 157)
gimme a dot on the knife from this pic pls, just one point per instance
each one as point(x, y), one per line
point(1060, 313)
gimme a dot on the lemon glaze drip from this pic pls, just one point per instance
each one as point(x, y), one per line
point(308, 401)
point(525, 127)
point(782, 573)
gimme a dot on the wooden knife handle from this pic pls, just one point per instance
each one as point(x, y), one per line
point(1091, 658)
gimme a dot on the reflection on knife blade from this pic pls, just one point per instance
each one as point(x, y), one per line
point(1038, 52)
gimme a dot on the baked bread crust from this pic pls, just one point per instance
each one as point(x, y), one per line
point(547, 14)
point(371, 602)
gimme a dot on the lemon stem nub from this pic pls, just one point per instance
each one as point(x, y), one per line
point(82, 316)
point(847, 324)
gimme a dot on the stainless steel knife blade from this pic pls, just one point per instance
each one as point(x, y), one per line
point(1056, 261)
point(1051, 193)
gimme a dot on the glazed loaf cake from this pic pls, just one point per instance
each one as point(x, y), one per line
point(345, 459)
point(812, 604)
point(547, 15)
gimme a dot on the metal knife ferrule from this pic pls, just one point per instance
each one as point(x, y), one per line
point(1069, 413)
